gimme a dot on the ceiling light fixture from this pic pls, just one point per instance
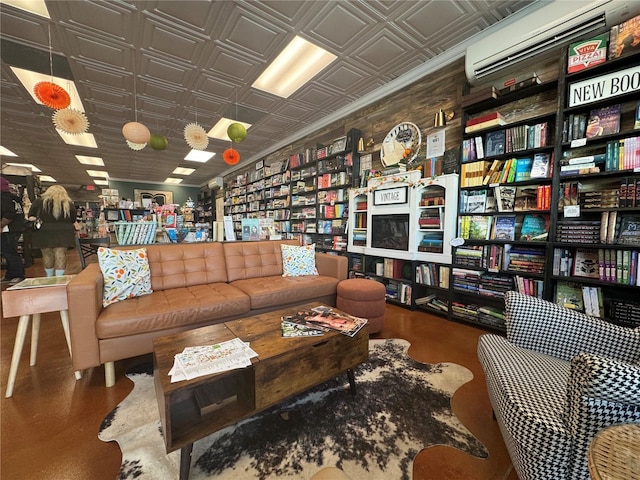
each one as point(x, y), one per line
point(101, 182)
point(172, 180)
point(95, 161)
point(5, 152)
point(46, 178)
point(30, 166)
point(183, 171)
point(34, 6)
point(199, 156)
point(82, 140)
point(298, 63)
point(98, 173)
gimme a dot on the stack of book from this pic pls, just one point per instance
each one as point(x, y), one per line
point(494, 285)
point(488, 120)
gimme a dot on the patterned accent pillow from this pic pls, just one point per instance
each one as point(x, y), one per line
point(297, 261)
point(126, 274)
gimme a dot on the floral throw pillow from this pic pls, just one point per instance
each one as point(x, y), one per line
point(126, 274)
point(297, 261)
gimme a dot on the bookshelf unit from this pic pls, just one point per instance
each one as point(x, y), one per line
point(504, 209)
point(277, 195)
point(357, 233)
point(596, 238)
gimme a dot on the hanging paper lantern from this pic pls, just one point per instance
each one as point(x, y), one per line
point(136, 132)
point(196, 137)
point(70, 121)
point(236, 132)
point(136, 146)
point(231, 156)
point(52, 95)
point(158, 142)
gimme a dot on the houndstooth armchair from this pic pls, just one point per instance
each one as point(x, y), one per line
point(558, 378)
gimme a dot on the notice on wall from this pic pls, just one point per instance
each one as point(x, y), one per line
point(229, 233)
point(435, 144)
point(606, 86)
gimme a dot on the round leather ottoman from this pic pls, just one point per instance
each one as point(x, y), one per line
point(363, 298)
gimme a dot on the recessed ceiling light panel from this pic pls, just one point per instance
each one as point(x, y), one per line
point(30, 166)
point(298, 63)
point(98, 173)
point(183, 171)
point(172, 180)
point(95, 161)
point(199, 156)
point(6, 152)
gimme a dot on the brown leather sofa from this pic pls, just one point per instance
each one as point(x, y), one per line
point(194, 284)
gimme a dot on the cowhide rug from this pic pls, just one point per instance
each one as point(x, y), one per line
point(401, 407)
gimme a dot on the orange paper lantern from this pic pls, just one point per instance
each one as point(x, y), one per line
point(52, 95)
point(136, 132)
point(231, 156)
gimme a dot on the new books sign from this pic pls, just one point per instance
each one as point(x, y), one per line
point(604, 87)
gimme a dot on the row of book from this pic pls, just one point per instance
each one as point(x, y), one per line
point(333, 227)
point(534, 227)
point(433, 302)
point(529, 286)
point(584, 298)
point(623, 154)
point(508, 140)
point(519, 169)
point(604, 264)
point(329, 180)
point(507, 258)
point(360, 220)
point(431, 242)
point(332, 196)
point(432, 275)
point(484, 314)
point(482, 283)
point(506, 198)
point(599, 122)
point(399, 291)
point(336, 243)
point(332, 211)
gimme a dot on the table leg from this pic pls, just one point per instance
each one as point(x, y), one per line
point(352, 380)
point(185, 461)
point(35, 335)
point(23, 324)
point(64, 318)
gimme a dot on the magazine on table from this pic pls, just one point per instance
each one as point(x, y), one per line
point(291, 329)
point(325, 318)
point(203, 360)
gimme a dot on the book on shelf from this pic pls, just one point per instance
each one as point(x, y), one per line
point(586, 263)
point(569, 295)
point(593, 301)
point(526, 198)
point(534, 227)
point(487, 117)
point(495, 143)
point(478, 94)
point(627, 230)
point(494, 122)
point(504, 228)
point(540, 165)
point(523, 169)
point(636, 122)
point(505, 197)
point(622, 38)
point(476, 227)
point(603, 121)
point(475, 201)
point(587, 53)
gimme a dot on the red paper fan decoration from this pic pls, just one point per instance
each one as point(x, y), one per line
point(52, 95)
point(231, 156)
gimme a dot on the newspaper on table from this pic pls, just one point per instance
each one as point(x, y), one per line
point(203, 360)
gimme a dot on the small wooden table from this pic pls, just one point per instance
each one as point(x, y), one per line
point(34, 296)
point(614, 453)
point(284, 367)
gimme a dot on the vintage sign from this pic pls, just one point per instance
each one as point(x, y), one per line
point(390, 196)
point(606, 86)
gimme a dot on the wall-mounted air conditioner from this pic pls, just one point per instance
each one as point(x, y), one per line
point(540, 28)
point(217, 182)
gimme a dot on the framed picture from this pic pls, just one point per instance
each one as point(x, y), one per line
point(147, 197)
point(339, 145)
point(259, 164)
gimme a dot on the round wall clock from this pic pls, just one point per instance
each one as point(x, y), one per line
point(401, 137)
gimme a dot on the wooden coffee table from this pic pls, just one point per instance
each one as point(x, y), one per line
point(284, 367)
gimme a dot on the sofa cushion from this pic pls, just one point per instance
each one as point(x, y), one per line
point(528, 390)
point(254, 259)
point(126, 274)
point(298, 260)
point(267, 292)
point(171, 308)
point(186, 264)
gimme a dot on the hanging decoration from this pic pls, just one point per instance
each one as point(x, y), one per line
point(158, 142)
point(52, 95)
point(136, 146)
point(196, 136)
point(236, 132)
point(231, 156)
point(71, 121)
point(136, 132)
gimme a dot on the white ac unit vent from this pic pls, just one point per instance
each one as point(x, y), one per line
point(217, 182)
point(546, 27)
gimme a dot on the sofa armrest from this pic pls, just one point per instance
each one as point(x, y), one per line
point(84, 295)
point(549, 328)
point(332, 265)
point(600, 392)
